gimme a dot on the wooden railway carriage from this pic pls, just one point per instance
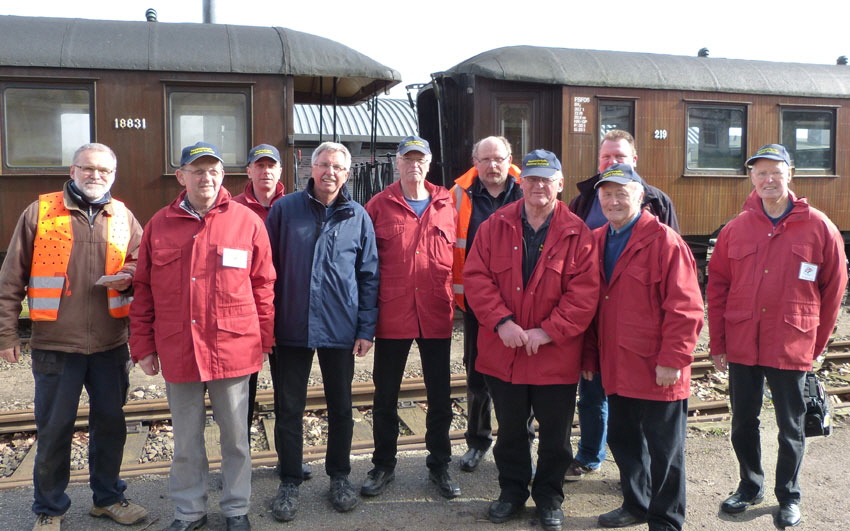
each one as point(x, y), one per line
point(695, 121)
point(147, 89)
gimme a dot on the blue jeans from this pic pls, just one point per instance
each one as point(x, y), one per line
point(59, 380)
point(593, 421)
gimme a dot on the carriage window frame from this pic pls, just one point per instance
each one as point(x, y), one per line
point(234, 152)
point(65, 140)
point(736, 168)
point(622, 102)
point(797, 159)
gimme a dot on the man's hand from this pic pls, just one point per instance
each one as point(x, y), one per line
point(588, 375)
point(120, 284)
point(361, 347)
point(665, 376)
point(150, 364)
point(720, 362)
point(512, 334)
point(12, 355)
point(536, 337)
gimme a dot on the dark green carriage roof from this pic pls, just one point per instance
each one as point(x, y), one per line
point(187, 47)
point(598, 68)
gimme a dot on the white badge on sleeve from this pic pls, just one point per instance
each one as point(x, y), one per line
point(234, 258)
point(808, 271)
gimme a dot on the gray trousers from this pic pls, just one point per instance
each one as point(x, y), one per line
point(187, 483)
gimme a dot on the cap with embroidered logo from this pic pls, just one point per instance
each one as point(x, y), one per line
point(620, 174)
point(201, 149)
point(414, 143)
point(772, 152)
point(540, 163)
point(263, 151)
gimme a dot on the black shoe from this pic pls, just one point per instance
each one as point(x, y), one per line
point(185, 525)
point(788, 515)
point(238, 523)
point(448, 488)
point(306, 471)
point(470, 460)
point(285, 503)
point(342, 495)
point(551, 518)
point(502, 511)
point(619, 517)
point(738, 502)
point(376, 481)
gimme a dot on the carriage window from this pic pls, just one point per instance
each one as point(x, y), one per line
point(42, 127)
point(514, 124)
point(616, 115)
point(809, 137)
point(715, 139)
point(219, 118)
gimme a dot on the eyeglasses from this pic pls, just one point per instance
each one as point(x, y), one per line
point(89, 170)
point(419, 162)
point(487, 162)
point(535, 180)
point(335, 167)
point(200, 173)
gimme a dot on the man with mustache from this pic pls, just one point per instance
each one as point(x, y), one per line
point(73, 253)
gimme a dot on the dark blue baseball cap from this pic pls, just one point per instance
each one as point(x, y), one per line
point(772, 152)
point(263, 151)
point(414, 143)
point(540, 163)
point(201, 149)
point(620, 174)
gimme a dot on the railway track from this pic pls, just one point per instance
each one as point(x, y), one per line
point(141, 413)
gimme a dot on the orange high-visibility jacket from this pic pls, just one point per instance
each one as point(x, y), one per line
point(461, 198)
point(52, 252)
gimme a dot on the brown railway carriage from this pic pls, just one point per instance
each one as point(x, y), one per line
point(695, 121)
point(146, 89)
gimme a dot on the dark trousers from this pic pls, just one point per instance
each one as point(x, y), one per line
point(554, 406)
point(387, 373)
point(292, 368)
point(478, 402)
point(59, 380)
point(647, 438)
point(746, 391)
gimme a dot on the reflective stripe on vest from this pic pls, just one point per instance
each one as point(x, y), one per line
point(52, 252)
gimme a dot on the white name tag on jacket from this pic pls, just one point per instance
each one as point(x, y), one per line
point(234, 258)
point(808, 271)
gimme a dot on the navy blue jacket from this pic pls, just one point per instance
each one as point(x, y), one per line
point(326, 292)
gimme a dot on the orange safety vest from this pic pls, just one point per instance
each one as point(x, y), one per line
point(52, 252)
point(463, 204)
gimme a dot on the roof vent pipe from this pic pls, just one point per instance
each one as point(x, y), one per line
point(150, 15)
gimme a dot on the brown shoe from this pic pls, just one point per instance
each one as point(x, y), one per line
point(123, 512)
point(577, 471)
point(46, 522)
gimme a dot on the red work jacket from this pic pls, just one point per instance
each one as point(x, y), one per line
point(774, 292)
point(650, 313)
point(415, 258)
point(561, 295)
point(248, 199)
point(204, 293)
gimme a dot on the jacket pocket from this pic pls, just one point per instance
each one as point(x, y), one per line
point(166, 284)
point(742, 262)
point(233, 275)
point(800, 336)
point(740, 330)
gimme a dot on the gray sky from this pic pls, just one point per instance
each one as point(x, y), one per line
point(418, 38)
